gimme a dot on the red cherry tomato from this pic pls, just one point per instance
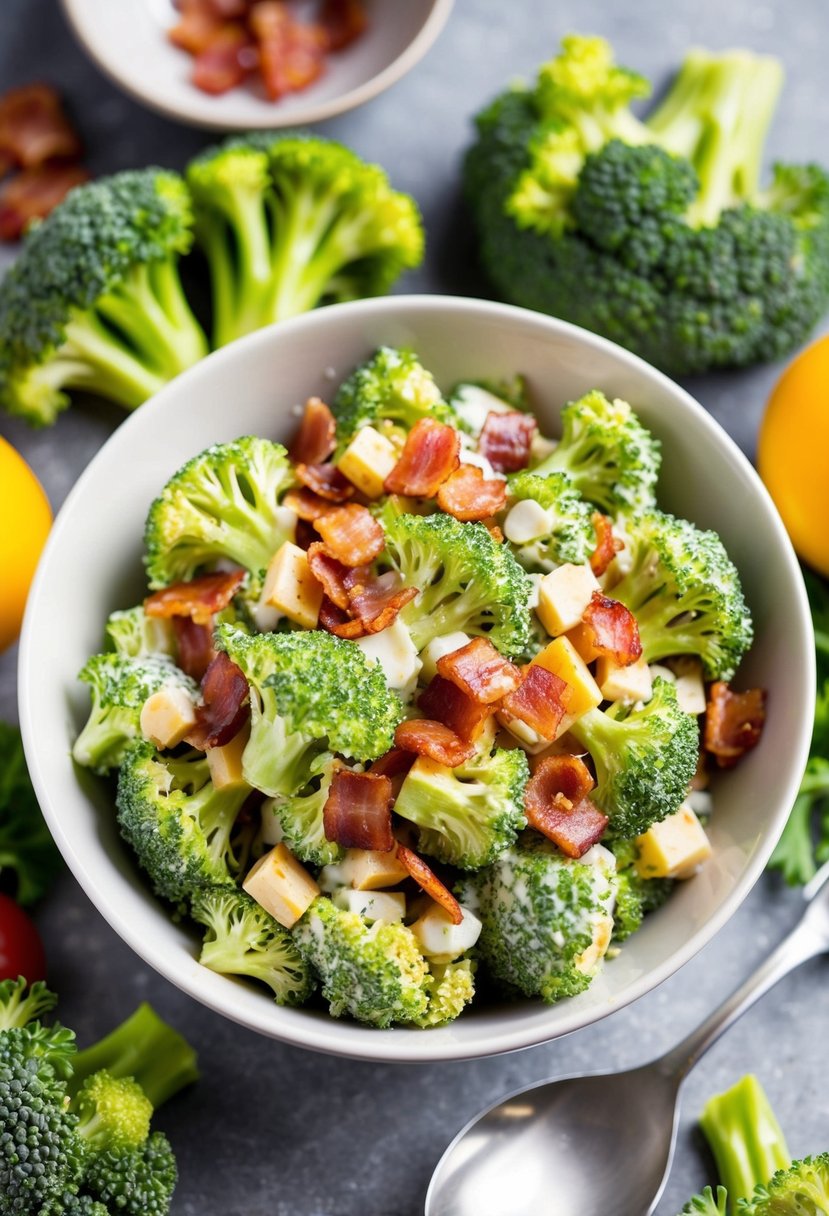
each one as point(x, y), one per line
point(21, 950)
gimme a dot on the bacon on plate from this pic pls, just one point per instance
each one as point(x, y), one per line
point(538, 700)
point(225, 60)
point(199, 598)
point(425, 737)
point(291, 52)
point(431, 452)
point(315, 440)
point(607, 545)
point(608, 630)
point(468, 495)
point(34, 127)
point(225, 706)
point(198, 23)
point(33, 193)
point(733, 722)
point(556, 804)
point(480, 671)
point(357, 811)
point(342, 21)
point(194, 646)
point(445, 702)
point(351, 534)
point(426, 878)
point(506, 440)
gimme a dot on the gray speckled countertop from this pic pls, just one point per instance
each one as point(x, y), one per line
point(275, 1130)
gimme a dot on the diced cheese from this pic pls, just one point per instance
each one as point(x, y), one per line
point(674, 848)
point(662, 672)
point(690, 686)
point(225, 763)
point(437, 648)
point(468, 456)
point(564, 595)
point(527, 521)
point(286, 521)
point(364, 870)
point(530, 739)
point(472, 404)
point(291, 588)
point(396, 653)
point(368, 460)
point(371, 905)
point(281, 885)
point(582, 692)
point(631, 683)
point(265, 618)
point(167, 716)
point(442, 941)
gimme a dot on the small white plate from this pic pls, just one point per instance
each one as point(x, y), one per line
point(128, 41)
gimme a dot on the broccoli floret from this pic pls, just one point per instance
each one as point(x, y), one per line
point(685, 593)
point(243, 939)
point(113, 1113)
point(546, 920)
point(119, 686)
point(569, 535)
point(301, 816)
point(466, 579)
point(131, 632)
point(26, 847)
point(221, 505)
point(136, 1183)
point(607, 454)
point(20, 1004)
point(376, 974)
point(707, 1204)
point(180, 826)
point(644, 756)
point(450, 987)
point(392, 389)
point(655, 234)
point(635, 896)
point(95, 302)
point(800, 1190)
point(288, 223)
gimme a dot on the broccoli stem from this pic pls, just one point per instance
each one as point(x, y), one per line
point(745, 1138)
point(240, 265)
point(302, 223)
point(143, 1047)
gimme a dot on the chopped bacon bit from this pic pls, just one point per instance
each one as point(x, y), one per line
point(395, 763)
point(506, 440)
point(467, 495)
point(425, 737)
point(357, 812)
point(557, 805)
point(225, 61)
point(377, 603)
point(480, 671)
point(342, 21)
point(607, 545)
point(444, 702)
point(538, 700)
point(733, 722)
point(33, 193)
point(225, 706)
point(199, 598)
point(337, 621)
point(430, 883)
point(197, 25)
point(291, 52)
point(608, 630)
point(351, 534)
point(306, 504)
point(335, 577)
point(431, 452)
point(326, 481)
point(229, 9)
point(305, 535)
point(316, 438)
point(34, 128)
point(194, 646)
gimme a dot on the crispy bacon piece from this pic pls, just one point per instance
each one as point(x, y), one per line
point(607, 545)
point(444, 702)
point(199, 598)
point(326, 481)
point(198, 23)
point(395, 763)
point(225, 706)
point(556, 803)
point(425, 737)
point(337, 621)
point(33, 193)
point(376, 604)
point(506, 440)
point(194, 646)
point(607, 629)
point(336, 578)
point(305, 536)
point(316, 438)
point(291, 52)
point(34, 128)
point(342, 21)
point(468, 495)
point(538, 700)
point(225, 60)
point(357, 812)
point(230, 9)
point(306, 504)
point(480, 671)
point(431, 452)
point(351, 534)
point(733, 722)
point(429, 882)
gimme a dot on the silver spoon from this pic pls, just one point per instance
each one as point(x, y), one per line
point(598, 1145)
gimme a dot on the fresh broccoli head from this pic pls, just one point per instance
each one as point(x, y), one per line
point(132, 633)
point(644, 756)
point(800, 1190)
point(135, 1183)
point(685, 593)
point(567, 536)
point(221, 505)
point(546, 919)
point(450, 987)
point(119, 688)
point(301, 815)
point(375, 973)
point(287, 223)
point(392, 389)
point(607, 454)
point(94, 301)
point(656, 233)
point(466, 579)
point(113, 1112)
point(243, 939)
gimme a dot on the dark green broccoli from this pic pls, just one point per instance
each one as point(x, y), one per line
point(685, 593)
point(131, 632)
point(94, 301)
point(391, 389)
point(644, 757)
point(567, 535)
point(289, 222)
point(135, 1183)
point(655, 234)
point(301, 815)
point(635, 896)
point(221, 505)
point(243, 939)
point(607, 454)
point(27, 852)
point(467, 581)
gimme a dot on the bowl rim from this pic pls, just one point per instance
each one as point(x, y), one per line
point(327, 1035)
point(197, 115)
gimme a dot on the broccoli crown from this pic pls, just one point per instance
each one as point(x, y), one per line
point(376, 974)
point(20, 1005)
point(685, 593)
point(609, 457)
point(644, 758)
point(241, 938)
point(180, 826)
point(635, 896)
point(27, 850)
point(95, 302)
point(132, 633)
point(450, 987)
point(466, 579)
point(545, 918)
point(221, 505)
point(707, 1204)
point(391, 388)
point(301, 816)
point(570, 536)
point(139, 1182)
point(800, 1190)
point(113, 1112)
point(119, 686)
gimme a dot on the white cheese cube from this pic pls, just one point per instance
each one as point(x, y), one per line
point(437, 648)
point(371, 905)
point(396, 653)
point(281, 886)
point(368, 460)
point(674, 848)
point(628, 684)
point(690, 686)
point(225, 763)
point(564, 595)
point(439, 939)
point(291, 588)
point(529, 739)
point(364, 870)
point(660, 671)
point(527, 521)
point(472, 403)
point(167, 716)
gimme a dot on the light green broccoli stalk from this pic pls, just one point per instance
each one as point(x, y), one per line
point(567, 536)
point(132, 633)
point(450, 987)
point(301, 815)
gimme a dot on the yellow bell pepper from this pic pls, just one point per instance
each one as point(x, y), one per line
point(25, 520)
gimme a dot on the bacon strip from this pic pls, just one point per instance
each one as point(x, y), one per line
point(607, 545)
point(33, 193)
point(430, 883)
point(425, 737)
point(467, 495)
point(431, 452)
point(326, 481)
point(506, 440)
point(480, 671)
point(557, 805)
point(342, 21)
point(444, 702)
point(198, 23)
point(538, 700)
point(395, 763)
point(357, 811)
point(34, 128)
point(337, 621)
point(199, 598)
point(733, 722)
point(351, 534)
point(377, 603)
point(225, 706)
point(194, 646)
point(225, 60)
point(291, 53)
point(608, 629)
point(336, 578)
point(306, 504)
point(316, 438)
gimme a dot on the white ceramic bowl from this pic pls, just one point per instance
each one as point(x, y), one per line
point(92, 564)
point(128, 41)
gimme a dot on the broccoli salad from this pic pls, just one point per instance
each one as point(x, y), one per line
point(423, 701)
